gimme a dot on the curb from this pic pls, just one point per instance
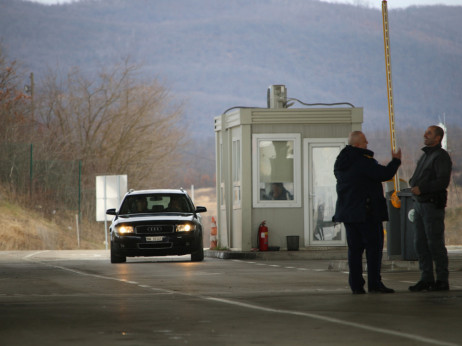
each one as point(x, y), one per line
point(336, 260)
point(230, 254)
point(341, 254)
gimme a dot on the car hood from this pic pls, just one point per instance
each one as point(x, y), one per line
point(175, 217)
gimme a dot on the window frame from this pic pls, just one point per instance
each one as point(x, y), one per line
point(256, 201)
point(236, 175)
point(309, 225)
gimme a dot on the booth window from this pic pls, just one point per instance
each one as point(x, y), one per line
point(276, 167)
point(236, 169)
point(221, 178)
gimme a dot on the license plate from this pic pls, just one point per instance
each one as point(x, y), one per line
point(154, 238)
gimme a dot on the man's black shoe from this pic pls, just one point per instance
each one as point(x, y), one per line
point(360, 291)
point(381, 289)
point(422, 286)
point(440, 286)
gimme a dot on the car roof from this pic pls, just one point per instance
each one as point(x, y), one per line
point(156, 191)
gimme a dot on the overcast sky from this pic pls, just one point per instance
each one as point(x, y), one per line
point(398, 3)
point(368, 3)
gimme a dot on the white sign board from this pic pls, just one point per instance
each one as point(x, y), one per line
point(110, 189)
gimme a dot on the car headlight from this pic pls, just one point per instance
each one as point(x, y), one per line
point(124, 229)
point(185, 227)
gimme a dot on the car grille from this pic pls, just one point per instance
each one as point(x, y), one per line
point(155, 246)
point(154, 229)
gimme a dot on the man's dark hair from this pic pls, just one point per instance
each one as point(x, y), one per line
point(438, 131)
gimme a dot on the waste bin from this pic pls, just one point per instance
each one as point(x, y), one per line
point(408, 252)
point(393, 228)
point(292, 242)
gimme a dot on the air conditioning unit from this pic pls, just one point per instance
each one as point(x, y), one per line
point(277, 96)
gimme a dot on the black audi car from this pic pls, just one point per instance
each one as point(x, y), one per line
point(156, 223)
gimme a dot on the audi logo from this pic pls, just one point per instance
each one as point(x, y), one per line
point(154, 228)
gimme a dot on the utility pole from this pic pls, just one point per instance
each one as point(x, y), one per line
point(32, 95)
point(30, 89)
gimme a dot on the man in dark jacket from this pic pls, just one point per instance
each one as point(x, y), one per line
point(362, 207)
point(428, 185)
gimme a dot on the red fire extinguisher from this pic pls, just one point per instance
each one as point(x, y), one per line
point(263, 237)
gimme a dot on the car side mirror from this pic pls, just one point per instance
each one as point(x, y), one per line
point(111, 211)
point(201, 209)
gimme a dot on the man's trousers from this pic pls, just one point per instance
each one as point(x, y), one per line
point(364, 236)
point(429, 242)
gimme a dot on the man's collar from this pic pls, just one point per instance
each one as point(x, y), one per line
point(430, 149)
point(363, 151)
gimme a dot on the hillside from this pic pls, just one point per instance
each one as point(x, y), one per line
point(26, 229)
point(23, 229)
point(215, 55)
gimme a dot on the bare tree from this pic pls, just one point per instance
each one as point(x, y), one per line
point(115, 124)
point(15, 125)
point(14, 110)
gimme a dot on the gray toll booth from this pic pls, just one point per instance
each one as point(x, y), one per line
point(275, 164)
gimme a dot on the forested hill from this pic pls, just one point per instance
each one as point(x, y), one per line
point(214, 55)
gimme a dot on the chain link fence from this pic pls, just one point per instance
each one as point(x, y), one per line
point(49, 184)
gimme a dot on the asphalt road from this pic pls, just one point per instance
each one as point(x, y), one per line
point(79, 298)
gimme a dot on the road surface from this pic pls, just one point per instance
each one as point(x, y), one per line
point(79, 298)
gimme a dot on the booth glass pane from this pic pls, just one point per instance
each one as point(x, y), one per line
point(276, 163)
point(236, 171)
point(324, 194)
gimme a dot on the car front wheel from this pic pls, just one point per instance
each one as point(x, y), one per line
point(198, 254)
point(116, 257)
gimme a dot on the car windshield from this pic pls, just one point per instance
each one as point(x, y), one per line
point(156, 203)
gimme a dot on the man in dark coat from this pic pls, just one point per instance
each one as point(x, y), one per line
point(362, 207)
point(428, 186)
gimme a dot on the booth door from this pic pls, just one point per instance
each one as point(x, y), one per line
point(319, 192)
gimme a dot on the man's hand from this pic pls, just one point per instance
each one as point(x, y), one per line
point(415, 190)
point(397, 154)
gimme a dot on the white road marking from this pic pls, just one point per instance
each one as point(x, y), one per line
point(36, 253)
point(78, 272)
point(265, 309)
point(279, 266)
point(333, 320)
